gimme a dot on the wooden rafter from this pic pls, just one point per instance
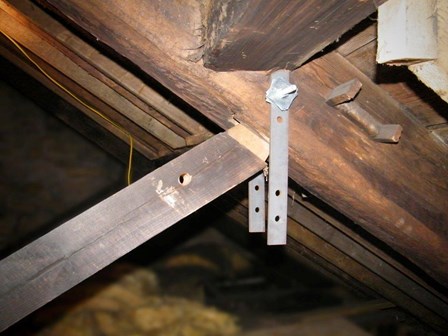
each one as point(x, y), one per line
point(77, 249)
point(145, 143)
point(147, 115)
point(169, 113)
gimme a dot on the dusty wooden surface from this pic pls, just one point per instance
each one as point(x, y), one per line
point(264, 35)
point(79, 248)
point(397, 192)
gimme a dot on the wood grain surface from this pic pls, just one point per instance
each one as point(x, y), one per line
point(265, 35)
point(77, 249)
point(398, 192)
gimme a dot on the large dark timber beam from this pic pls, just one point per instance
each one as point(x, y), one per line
point(89, 242)
point(266, 34)
point(397, 192)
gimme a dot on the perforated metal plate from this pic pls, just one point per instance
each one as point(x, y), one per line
point(280, 95)
point(257, 208)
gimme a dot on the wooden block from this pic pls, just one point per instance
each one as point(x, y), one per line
point(435, 73)
point(344, 92)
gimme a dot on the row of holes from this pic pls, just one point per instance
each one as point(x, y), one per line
point(277, 193)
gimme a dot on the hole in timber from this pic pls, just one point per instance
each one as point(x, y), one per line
point(279, 119)
point(185, 179)
point(257, 209)
point(277, 193)
point(257, 187)
point(277, 218)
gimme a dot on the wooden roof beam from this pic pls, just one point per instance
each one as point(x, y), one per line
point(138, 87)
point(264, 35)
point(59, 260)
point(398, 192)
point(64, 60)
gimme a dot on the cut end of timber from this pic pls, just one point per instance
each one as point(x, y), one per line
point(250, 140)
point(407, 32)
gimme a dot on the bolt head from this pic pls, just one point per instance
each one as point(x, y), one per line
point(281, 93)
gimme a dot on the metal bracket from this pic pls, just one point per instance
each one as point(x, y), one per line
point(342, 98)
point(280, 95)
point(257, 204)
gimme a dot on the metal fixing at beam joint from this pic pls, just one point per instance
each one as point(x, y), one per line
point(280, 95)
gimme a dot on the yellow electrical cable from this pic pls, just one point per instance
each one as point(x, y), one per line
point(62, 87)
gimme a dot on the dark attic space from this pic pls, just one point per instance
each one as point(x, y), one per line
point(224, 167)
point(205, 276)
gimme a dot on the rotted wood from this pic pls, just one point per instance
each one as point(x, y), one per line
point(396, 192)
point(265, 35)
point(77, 249)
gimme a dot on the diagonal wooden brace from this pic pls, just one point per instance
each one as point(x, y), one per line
point(77, 249)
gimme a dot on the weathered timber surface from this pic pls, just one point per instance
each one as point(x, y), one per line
point(115, 71)
point(89, 242)
point(397, 192)
point(145, 143)
point(264, 35)
point(81, 72)
point(142, 163)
